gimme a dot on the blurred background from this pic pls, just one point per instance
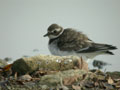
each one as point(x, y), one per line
point(24, 22)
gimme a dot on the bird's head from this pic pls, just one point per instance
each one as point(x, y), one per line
point(54, 31)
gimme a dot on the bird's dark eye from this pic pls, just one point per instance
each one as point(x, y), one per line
point(54, 31)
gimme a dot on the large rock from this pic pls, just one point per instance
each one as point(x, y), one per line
point(47, 62)
point(55, 79)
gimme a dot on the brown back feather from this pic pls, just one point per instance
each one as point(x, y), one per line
point(72, 40)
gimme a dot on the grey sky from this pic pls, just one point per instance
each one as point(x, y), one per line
point(24, 22)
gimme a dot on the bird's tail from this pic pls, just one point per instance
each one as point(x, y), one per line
point(109, 52)
point(106, 48)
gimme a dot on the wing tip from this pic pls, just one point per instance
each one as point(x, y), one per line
point(112, 47)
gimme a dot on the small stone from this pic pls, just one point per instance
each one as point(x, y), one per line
point(25, 77)
point(2, 63)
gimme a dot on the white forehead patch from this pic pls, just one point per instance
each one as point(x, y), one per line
point(57, 29)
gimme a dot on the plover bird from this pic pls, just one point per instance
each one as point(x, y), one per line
point(63, 42)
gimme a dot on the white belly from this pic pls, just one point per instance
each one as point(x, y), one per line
point(56, 51)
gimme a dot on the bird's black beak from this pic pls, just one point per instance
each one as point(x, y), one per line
point(46, 34)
